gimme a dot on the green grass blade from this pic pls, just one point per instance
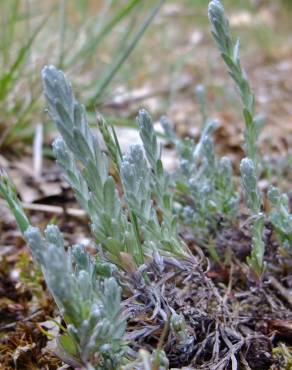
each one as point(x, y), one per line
point(63, 28)
point(108, 27)
point(8, 192)
point(6, 81)
point(8, 27)
point(120, 59)
point(21, 131)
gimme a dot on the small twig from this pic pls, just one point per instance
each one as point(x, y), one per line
point(283, 291)
point(244, 362)
point(37, 150)
point(231, 349)
point(126, 99)
point(229, 288)
point(216, 346)
point(226, 358)
point(54, 209)
point(13, 324)
point(74, 212)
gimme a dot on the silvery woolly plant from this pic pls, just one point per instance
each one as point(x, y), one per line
point(254, 203)
point(89, 302)
point(88, 297)
point(136, 213)
point(204, 182)
point(280, 215)
point(79, 154)
point(135, 230)
point(90, 305)
point(249, 166)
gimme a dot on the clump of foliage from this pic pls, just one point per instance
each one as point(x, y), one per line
point(89, 303)
point(249, 166)
point(137, 214)
point(280, 215)
point(204, 182)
